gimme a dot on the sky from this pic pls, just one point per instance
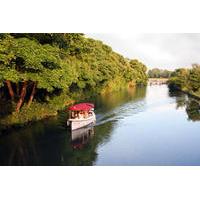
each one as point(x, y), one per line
point(161, 50)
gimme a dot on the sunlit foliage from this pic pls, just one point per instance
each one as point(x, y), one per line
point(187, 80)
point(40, 67)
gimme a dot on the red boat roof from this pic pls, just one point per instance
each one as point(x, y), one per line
point(82, 106)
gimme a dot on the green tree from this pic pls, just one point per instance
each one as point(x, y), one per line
point(46, 69)
point(194, 78)
point(187, 80)
point(30, 64)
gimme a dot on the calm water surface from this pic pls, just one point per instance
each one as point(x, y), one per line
point(143, 126)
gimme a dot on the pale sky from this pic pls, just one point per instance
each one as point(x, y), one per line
point(166, 51)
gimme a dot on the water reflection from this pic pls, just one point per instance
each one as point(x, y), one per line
point(80, 137)
point(120, 116)
point(193, 110)
point(50, 143)
point(191, 105)
point(181, 99)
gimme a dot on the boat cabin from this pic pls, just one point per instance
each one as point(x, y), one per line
point(81, 111)
point(81, 115)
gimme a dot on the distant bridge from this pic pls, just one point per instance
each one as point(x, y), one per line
point(157, 81)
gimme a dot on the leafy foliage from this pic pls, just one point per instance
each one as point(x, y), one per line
point(44, 66)
point(187, 80)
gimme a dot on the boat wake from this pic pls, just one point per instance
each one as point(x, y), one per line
point(120, 113)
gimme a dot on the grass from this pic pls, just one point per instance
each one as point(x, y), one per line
point(37, 111)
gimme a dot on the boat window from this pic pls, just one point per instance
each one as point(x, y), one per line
point(73, 114)
point(80, 115)
point(85, 114)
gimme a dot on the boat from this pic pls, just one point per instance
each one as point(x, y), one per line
point(81, 115)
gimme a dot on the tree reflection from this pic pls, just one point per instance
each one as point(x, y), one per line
point(193, 110)
point(192, 106)
point(81, 137)
point(181, 99)
point(50, 144)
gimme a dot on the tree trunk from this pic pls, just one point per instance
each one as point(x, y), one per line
point(22, 96)
point(32, 95)
point(17, 89)
point(10, 89)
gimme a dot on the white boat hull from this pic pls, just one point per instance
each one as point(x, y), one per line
point(79, 123)
point(82, 133)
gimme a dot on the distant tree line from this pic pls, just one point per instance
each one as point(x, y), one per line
point(159, 73)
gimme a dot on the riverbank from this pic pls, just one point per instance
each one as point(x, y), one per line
point(40, 111)
point(187, 81)
point(189, 93)
point(192, 94)
point(185, 91)
point(116, 85)
point(36, 112)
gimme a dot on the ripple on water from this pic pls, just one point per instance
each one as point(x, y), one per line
point(121, 112)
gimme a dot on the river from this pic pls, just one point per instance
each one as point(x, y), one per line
point(135, 126)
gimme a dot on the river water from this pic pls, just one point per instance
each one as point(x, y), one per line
point(141, 126)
